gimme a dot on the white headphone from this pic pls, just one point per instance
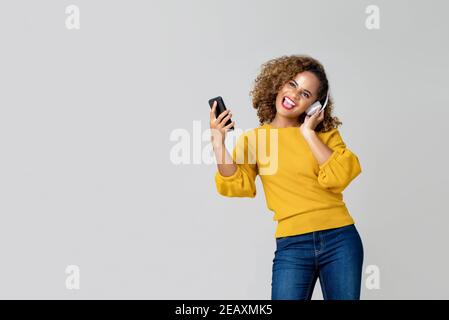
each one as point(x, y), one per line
point(317, 106)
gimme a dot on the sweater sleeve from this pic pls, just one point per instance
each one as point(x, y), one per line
point(341, 167)
point(242, 182)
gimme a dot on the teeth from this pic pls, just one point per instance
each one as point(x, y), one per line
point(289, 101)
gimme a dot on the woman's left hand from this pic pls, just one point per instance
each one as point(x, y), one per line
point(310, 122)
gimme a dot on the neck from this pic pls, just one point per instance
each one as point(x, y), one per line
point(281, 122)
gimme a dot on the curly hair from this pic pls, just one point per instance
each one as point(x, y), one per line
point(273, 76)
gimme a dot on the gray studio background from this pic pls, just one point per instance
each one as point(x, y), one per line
point(86, 115)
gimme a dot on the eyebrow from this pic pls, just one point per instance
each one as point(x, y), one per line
point(303, 88)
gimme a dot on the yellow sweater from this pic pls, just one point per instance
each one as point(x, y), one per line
point(303, 195)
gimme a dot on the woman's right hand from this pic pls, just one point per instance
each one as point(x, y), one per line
point(217, 125)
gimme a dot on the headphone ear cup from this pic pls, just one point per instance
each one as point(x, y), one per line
point(313, 108)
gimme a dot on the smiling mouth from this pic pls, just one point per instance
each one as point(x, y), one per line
point(288, 103)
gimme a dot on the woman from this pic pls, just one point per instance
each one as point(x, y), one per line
point(315, 237)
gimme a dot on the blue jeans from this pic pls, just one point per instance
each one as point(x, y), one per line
point(335, 256)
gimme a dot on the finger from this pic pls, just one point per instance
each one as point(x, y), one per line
point(212, 110)
point(225, 119)
point(321, 115)
point(229, 125)
point(223, 114)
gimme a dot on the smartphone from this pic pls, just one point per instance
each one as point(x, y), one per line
point(220, 108)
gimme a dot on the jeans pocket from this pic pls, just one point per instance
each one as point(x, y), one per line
point(282, 240)
point(350, 232)
point(347, 229)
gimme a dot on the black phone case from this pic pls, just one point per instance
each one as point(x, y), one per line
point(221, 107)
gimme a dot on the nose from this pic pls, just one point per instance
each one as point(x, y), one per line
point(298, 93)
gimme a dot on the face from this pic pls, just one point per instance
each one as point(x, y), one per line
point(297, 95)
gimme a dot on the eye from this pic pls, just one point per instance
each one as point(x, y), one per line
point(306, 95)
point(291, 83)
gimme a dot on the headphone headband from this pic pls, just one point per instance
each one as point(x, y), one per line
point(327, 98)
